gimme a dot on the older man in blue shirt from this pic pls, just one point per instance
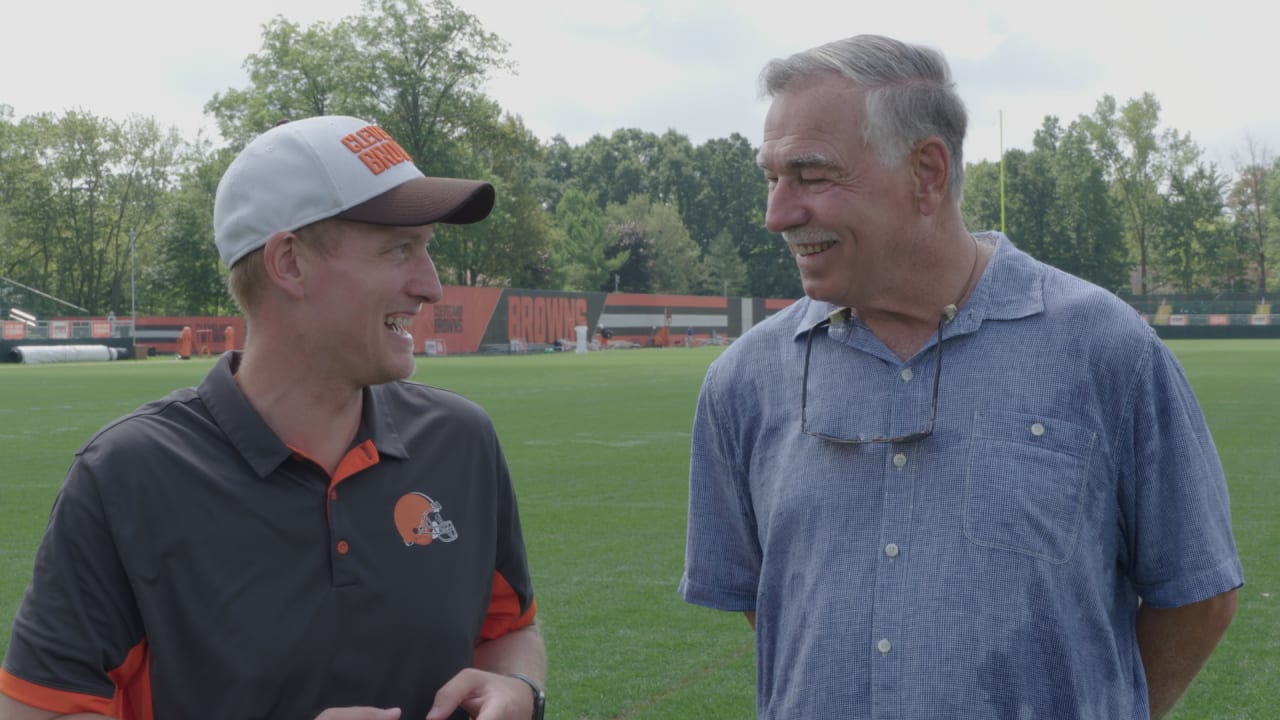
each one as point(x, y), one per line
point(952, 482)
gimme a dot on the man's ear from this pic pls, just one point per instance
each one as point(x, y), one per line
point(284, 266)
point(931, 170)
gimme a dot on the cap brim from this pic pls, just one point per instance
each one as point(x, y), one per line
point(426, 200)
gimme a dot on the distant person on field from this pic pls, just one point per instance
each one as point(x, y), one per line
point(952, 482)
point(307, 533)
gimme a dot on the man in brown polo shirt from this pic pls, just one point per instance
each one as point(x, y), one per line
point(306, 534)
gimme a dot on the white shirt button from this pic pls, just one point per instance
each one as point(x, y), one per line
point(891, 550)
point(907, 375)
point(884, 646)
point(899, 460)
point(1037, 429)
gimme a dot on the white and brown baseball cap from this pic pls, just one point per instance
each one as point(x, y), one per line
point(332, 166)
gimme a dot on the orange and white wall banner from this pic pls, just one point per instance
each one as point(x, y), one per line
point(1219, 320)
point(100, 328)
point(458, 321)
point(1178, 320)
point(59, 329)
point(1259, 319)
point(544, 317)
point(14, 330)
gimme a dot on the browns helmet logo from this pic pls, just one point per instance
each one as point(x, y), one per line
point(419, 522)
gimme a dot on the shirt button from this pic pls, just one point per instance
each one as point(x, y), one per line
point(907, 375)
point(1037, 429)
point(343, 547)
point(891, 550)
point(884, 646)
point(899, 460)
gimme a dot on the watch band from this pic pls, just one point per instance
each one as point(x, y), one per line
point(539, 697)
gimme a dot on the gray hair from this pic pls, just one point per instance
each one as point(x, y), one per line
point(909, 94)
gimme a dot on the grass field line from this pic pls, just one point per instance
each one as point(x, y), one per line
point(711, 668)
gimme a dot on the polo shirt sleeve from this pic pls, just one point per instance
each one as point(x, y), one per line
point(77, 643)
point(722, 549)
point(1173, 491)
point(511, 604)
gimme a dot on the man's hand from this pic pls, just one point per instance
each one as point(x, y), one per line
point(360, 713)
point(485, 696)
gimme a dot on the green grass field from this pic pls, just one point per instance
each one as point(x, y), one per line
point(598, 445)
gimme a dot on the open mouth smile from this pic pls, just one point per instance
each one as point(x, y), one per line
point(399, 325)
point(811, 249)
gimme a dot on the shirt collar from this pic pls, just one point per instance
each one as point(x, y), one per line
point(1011, 287)
point(258, 444)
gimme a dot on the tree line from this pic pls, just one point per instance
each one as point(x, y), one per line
point(97, 211)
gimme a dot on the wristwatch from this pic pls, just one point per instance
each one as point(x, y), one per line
point(539, 697)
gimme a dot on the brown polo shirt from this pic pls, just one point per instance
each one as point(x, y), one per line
point(195, 567)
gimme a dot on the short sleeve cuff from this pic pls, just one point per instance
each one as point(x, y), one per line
point(696, 593)
point(1229, 575)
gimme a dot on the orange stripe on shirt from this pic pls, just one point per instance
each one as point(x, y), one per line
point(364, 455)
point(131, 701)
point(360, 457)
point(504, 610)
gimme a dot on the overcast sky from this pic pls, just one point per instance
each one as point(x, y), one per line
point(592, 66)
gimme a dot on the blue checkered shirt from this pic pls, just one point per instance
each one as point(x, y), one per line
point(990, 570)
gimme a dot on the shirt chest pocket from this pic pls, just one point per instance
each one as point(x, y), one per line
point(1026, 484)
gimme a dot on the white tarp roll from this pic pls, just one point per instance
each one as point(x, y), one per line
point(36, 354)
point(581, 331)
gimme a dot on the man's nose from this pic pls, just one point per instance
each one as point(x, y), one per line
point(784, 209)
point(425, 283)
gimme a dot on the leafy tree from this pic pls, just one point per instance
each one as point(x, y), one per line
point(1126, 141)
point(29, 229)
point(616, 168)
point(557, 172)
point(82, 187)
point(731, 200)
point(981, 204)
point(424, 65)
point(188, 277)
point(1058, 207)
point(663, 256)
point(715, 187)
point(1030, 192)
point(636, 274)
point(578, 259)
point(1090, 230)
point(1254, 200)
point(771, 269)
point(512, 246)
point(152, 158)
point(1195, 236)
point(300, 72)
point(724, 270)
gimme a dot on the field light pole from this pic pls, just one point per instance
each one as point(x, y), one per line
point(133, 293)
